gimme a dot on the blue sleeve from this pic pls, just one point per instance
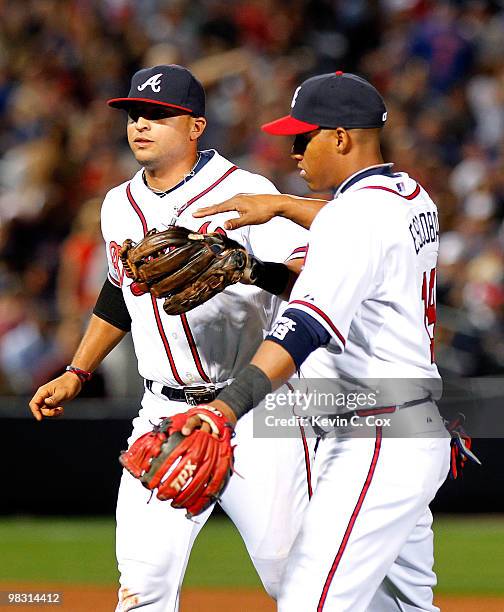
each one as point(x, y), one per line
point(299, 334)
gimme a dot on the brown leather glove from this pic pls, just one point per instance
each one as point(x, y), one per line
point(182, 266)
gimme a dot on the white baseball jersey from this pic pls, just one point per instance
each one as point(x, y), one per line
point(209, 344)
point(369, 279)
point(217, 339)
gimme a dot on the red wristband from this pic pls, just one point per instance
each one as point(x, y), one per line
point(82, 375)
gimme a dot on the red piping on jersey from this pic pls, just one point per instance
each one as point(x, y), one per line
point(306, 453)
point(185, 322)
point(154, 302)
point(165, 341)
point(200, 195)
point(323, 315)
point(411, 196)
point(193, 347)
point(300, 251)
point(136, 209)
point(113, 280)
point(353, 518)
point(307, 460)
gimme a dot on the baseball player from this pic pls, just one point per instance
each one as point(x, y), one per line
point(186, 359)
point(367, 299)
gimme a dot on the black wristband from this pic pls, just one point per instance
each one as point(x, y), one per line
point(270, 276)
point(249, 388)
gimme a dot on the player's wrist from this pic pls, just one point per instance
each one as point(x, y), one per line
point(217, 414)
point(284, 204)
point(226, 410)
point(247, 390)
point(82, 375)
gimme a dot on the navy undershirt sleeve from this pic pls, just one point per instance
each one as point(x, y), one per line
point(299, 334)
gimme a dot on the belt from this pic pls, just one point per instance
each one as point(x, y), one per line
point(319, 431)
point(388, 409)
point(191, 394)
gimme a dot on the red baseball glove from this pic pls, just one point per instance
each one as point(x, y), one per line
point(193, 470)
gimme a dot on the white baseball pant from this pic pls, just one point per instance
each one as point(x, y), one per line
point(366, 542)
point(154, 540)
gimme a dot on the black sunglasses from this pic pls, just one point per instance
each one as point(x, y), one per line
point(153, 112)
point(301, 141)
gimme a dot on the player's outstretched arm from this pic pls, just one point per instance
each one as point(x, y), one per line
point(255, 209)
point(99, 339)
point(294, 336)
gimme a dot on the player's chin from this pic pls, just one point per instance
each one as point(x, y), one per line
point(317, 183)
point(311, 182)
point(144, 158)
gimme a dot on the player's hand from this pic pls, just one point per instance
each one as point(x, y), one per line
point(196, 423)
point(49, 398)
point(253, 209)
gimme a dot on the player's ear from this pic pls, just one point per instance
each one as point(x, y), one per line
point(343, 142)
point(198, 127)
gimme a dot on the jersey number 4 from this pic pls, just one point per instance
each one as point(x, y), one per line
point(429, 300)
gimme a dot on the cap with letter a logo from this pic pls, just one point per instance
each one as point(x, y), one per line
point(337, 99)
point(166, 85)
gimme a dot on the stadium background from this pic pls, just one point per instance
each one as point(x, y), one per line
point(440, 66)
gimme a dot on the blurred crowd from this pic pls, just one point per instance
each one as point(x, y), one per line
point(439, 64)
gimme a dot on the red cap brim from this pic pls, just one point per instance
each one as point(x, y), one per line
point(127, 102)
point(288, 126)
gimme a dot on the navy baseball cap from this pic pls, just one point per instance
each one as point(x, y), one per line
point(166, 85)
point(337, 99)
